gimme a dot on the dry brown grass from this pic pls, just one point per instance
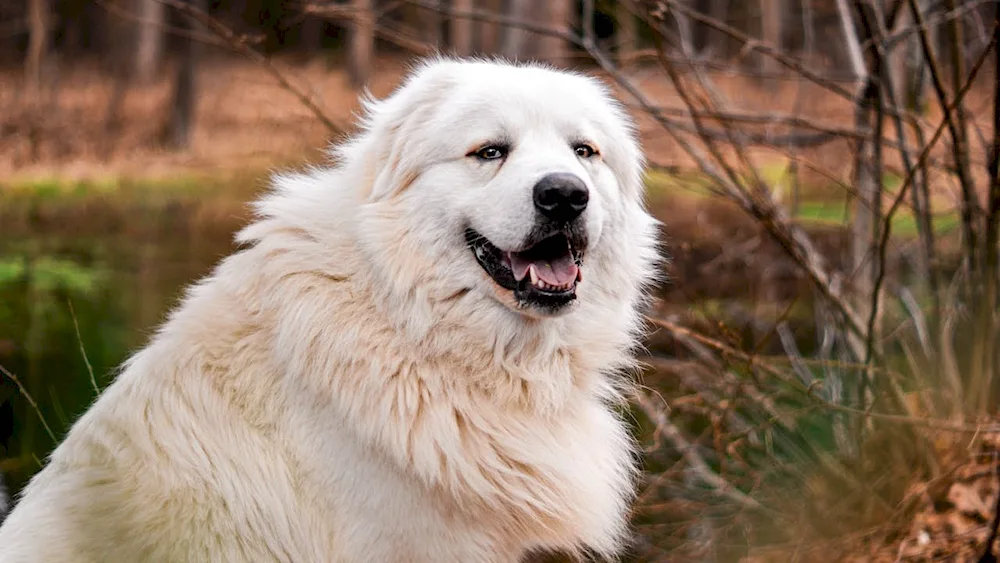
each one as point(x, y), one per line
point(244, 120)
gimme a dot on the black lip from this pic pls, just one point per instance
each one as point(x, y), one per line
point(494, 262)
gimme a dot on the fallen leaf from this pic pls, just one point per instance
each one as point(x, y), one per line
point(968, 502)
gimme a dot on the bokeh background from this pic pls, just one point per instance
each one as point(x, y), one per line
point(821, 375)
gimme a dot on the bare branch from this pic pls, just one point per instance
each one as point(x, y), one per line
point(31, 401)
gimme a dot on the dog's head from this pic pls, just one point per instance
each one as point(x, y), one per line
point(518, 182)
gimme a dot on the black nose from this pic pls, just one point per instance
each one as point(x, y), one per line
point(561, 197)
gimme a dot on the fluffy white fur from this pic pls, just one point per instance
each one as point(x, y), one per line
point(3, 500)
point(351, 386)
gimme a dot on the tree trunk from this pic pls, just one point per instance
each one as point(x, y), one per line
point(149, 43)
point(907, 63)
point(771, 19)
point(627, 32)
point(865, 182)
point(863, 231)
point(909, 77)
point(559, 15)
point(515, 39)
point(361, 43)
point(851, 43)
point(185, 97)
point(38, 44)
point(461, 28)
point(112, 114)
point(431, 25)
point(121, 37)
point(489, 32)
point(716, 41)
point(311, 33)
point(238, 10)
point(808, 32)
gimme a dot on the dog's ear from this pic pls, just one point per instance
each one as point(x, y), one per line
point(392, 127)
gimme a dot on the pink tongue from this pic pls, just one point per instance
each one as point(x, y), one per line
point(560, 271)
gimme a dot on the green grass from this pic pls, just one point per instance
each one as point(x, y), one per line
point(816, 208)
point(49, 274)
point(47, 189)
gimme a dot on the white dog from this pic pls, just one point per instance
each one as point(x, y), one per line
point(416, 355)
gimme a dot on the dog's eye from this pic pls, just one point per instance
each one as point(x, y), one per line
point(583, 150)
point(491, 152)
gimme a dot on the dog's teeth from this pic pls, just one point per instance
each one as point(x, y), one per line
point(533, 274)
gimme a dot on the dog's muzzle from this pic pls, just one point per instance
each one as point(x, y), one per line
point(544, 272)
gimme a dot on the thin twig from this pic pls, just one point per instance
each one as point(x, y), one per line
point(83, 351)
point(31, 401)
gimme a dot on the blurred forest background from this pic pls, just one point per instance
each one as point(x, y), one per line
point(822, 382)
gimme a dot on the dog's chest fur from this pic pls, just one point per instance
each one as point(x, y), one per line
point(450, 493)
point(474, 460)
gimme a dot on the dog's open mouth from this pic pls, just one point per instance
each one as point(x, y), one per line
point(544, 274)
